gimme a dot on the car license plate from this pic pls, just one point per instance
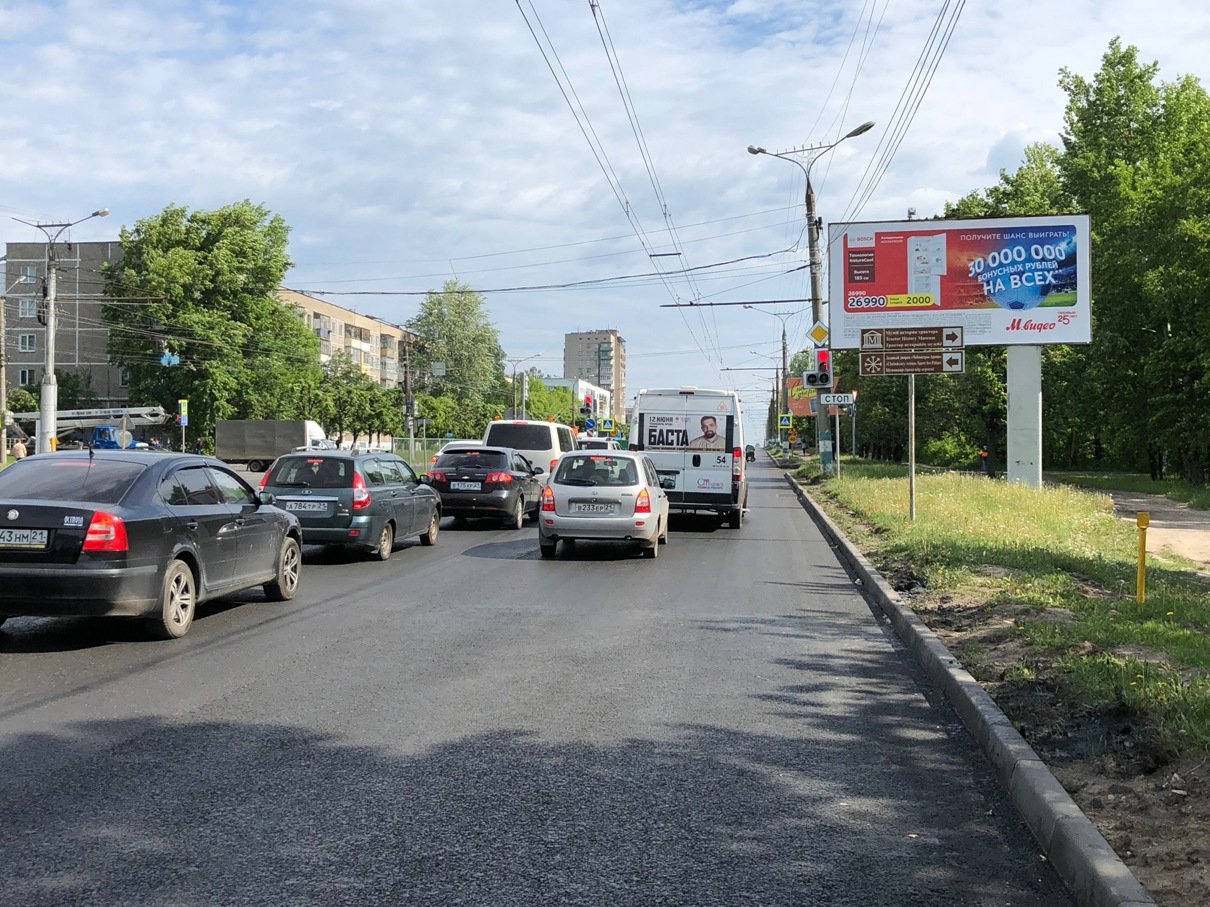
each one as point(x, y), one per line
point(306, 506)
point(23, 538)
point(593, 507)
point(466, 486)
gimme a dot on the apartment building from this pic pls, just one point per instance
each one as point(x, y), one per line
point(81, 336)
point(598, 357)
point(379, 347)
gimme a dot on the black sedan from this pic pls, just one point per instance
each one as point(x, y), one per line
point(495, 482)
point(137, 534)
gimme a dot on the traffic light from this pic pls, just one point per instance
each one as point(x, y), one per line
point(821, 376)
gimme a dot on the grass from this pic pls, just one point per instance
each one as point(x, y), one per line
point(1059, 550)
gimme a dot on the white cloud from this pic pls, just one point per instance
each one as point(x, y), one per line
point(405, 143)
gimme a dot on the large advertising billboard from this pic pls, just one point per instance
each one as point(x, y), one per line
point(684, 431)
point(1013, 280)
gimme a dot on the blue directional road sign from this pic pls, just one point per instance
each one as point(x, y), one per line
point(590, 423)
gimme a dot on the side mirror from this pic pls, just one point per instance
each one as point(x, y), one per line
point(667, 482)
point(266, 497)
point(538, 470)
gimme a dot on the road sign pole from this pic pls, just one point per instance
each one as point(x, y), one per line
point(838, 442)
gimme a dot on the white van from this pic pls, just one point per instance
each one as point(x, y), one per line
point(542, 443)
point(695, 438)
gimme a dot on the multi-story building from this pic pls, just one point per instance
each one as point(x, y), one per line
point(598, 357)
point(379, 347)
point(81, 335)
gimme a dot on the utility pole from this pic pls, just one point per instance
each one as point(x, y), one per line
point(822, 432)
point(49, 413)
point(409, 401)
point(3, 382)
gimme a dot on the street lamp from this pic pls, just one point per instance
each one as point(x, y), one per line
point(49, 413)
point(515, 363)
point(815, 152)
point(784, 403)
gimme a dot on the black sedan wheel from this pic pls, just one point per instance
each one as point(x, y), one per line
point(289, 569)
point(516, 519)
point(178, 602)
point(386, 542)
point(429, 536)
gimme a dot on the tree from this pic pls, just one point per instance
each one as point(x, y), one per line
point(1136, 159)
point(22, 400)
point(75, 390)
point(544, 402)
point(458, 336)
point(352, 397)
point(200, 285)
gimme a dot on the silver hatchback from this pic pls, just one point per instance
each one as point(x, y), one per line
point(611, 495)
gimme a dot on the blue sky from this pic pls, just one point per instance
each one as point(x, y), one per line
point(409, 143)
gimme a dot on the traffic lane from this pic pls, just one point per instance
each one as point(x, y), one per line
point(695, 729)
point(59, 673)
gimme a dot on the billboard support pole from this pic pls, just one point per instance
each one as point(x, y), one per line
point(1025, 415)
point(912, 448)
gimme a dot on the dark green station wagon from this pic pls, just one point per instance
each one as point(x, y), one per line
point(367, 501)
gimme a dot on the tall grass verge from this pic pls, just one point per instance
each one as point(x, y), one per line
point(1060, 566)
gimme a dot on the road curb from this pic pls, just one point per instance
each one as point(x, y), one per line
point(1081, 856)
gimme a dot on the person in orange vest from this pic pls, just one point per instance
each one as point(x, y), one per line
point(986, 460)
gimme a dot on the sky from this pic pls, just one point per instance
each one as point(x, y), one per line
point(582, 165)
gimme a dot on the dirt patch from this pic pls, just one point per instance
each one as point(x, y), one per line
point(1153, 811)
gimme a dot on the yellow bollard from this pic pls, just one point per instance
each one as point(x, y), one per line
point(1142, 519)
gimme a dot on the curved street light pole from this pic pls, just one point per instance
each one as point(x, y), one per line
point(815, 152)
point(515, 363)
point(784, 403)
point(48, 416)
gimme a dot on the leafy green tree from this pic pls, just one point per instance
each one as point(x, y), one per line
point(22, 400)
point(544, 402)
point(1136, 158)
point(352, 394)
point(200, 285)
point(75, 390)
point(457, 334)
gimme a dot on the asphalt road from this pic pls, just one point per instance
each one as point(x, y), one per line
point(729, 724)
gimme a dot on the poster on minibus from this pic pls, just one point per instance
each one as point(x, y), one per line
point(1005, 281)
point(680, 431)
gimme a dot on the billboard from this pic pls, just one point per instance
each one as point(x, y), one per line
point(1012, 280)
point(685, 431)
point(802, 399)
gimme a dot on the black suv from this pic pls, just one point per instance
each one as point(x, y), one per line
point(358, 500)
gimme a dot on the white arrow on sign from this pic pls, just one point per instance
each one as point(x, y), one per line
point(836, 399)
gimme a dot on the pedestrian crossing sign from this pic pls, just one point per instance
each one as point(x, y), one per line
point(607, 425)
point(783, 421)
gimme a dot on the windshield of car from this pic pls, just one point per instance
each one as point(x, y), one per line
point(312, 472)
point(521, 437)
point(473, 459)
point(93, 480)
point(596, 470)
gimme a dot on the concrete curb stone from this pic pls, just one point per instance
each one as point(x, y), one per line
point(1081, 856)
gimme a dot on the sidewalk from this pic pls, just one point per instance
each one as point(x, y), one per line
point(1175, 527)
